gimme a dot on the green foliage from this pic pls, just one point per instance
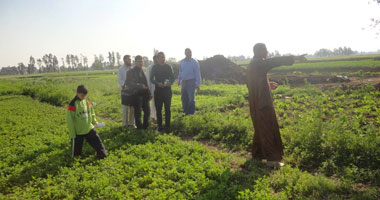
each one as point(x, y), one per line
point(333, 134)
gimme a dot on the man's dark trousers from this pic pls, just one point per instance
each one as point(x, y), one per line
point(188, 96)
point(163, 97)
point(142, 103)
point(93, 139)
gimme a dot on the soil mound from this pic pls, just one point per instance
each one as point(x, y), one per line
point(222, 70)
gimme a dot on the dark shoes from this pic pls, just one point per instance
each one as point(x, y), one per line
point(164, 129)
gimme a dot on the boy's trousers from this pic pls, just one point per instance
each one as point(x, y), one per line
point(93, 139)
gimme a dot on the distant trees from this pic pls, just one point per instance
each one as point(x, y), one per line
point(50, 62)
point(237, 58)
point(118, 57)
point(97, 64)
point(22, 68)
point(31, 66)
point(341, 51)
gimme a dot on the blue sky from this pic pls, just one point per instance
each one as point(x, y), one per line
point(208, 27)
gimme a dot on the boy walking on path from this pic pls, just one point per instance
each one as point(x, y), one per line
point(81, 120)
point(163, 77)
point(190, 77)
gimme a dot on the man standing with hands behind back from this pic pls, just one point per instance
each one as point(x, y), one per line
point(128, 117)
point(267, 142)
point(190, 77)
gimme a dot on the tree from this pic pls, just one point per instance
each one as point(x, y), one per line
point(22, 68)
point(55, 63)
point(323, 53)
point(9, 71)
point(46, 61)
point(110, 60)
point(31, 66)
point(73, 62)
point(76, 58)
point(39, 63)
point(101, 60)
point(118, 57)
point(172, 60)
point(85, 62)
point(68, 61)
point(63, 63)
point(97, 64)
point(113, 59)
point(155, 51)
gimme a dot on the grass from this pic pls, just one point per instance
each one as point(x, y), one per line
point(330, 137)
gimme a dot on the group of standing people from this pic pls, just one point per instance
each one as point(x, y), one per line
point(139, 87)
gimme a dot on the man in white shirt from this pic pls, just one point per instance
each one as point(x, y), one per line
point(151, 88)
point(128, 113)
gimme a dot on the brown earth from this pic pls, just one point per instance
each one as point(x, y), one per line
point(222, 70)
point(325, 82)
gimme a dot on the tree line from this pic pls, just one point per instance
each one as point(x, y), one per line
point(341, 51)
point(50, 63)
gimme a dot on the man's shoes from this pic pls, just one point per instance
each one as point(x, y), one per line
point(275, 164)
point(132, 126)
point(167, 129)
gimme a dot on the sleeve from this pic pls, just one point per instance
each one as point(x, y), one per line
point(120, 78)
point(70, 123)
point(270, 63)
point(198, 77)
point(171, 77)
point(180, 73)
point(151, 76)
point(92, 112)
point(131, 81)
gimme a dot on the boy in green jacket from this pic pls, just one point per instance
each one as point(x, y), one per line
point(81, 120)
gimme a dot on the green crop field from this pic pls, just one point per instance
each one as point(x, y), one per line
point(331, 140)
point(341, 64)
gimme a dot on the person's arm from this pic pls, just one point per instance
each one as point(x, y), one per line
point(171, 75)
point(132, 81)
point(281, 61)
point(147, 75)
point(180, 73)
point(70, 121)
point(120, 78)
point(92, 112)
point(151, 76)
point(198, 77)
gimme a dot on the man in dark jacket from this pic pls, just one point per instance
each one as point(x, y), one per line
point(163, 77)
point(267, 142)
point(137, 85)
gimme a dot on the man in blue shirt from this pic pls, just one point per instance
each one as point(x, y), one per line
point(190, 77)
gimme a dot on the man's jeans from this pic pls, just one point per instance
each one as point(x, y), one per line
point(188, 96)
